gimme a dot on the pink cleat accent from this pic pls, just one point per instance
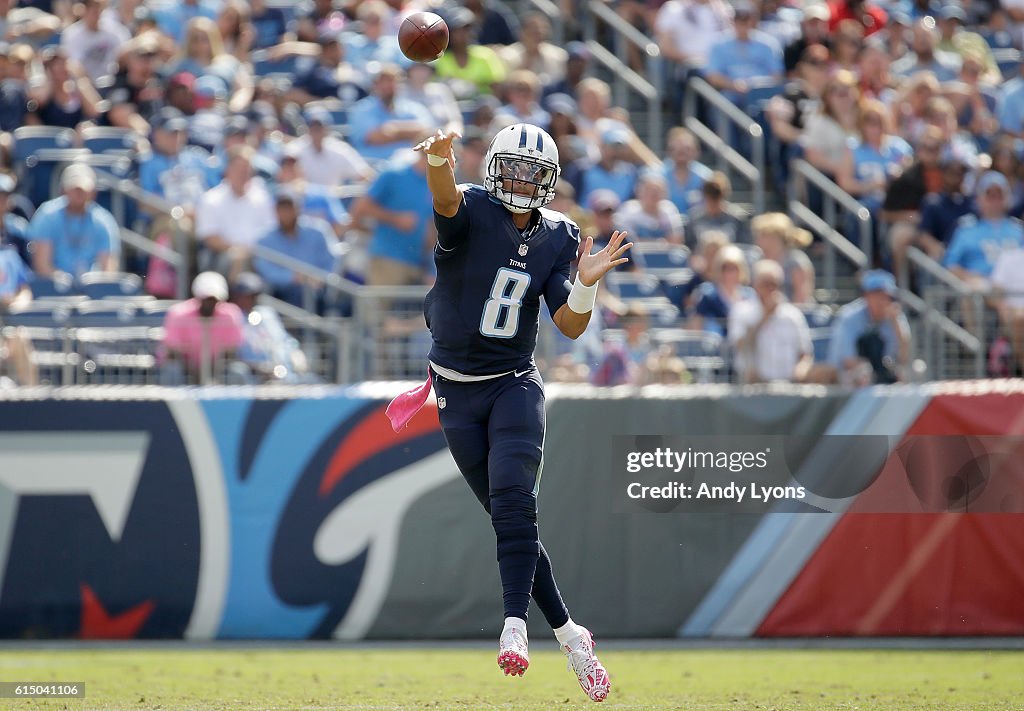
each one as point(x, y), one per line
point(590, 672)
point(513, 653)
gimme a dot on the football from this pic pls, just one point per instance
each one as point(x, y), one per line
point(423, 36)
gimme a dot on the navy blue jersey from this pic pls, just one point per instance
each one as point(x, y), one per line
point(482, 312)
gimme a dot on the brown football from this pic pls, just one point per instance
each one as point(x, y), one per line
point(423, 36)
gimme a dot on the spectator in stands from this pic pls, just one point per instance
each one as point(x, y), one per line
point(625, 357)
point(384, 123)
point(173, 18)
point(403, 237)
point(902, 204)
point(320, 18)
point(940, 113)
point(925, 55)
point(498, 24)
point(744, 58)
point(702, 261)
point(325, 159)
point(1006, 160)
point(269, 24)
point(1009, 302)
point(870, 336)
point(686, 30)
point(975, 100)
point(173, 171)
point(912, 104)
point(523, 96)
point(470, 165)
point(941, 212)
point(612, 171)
point(872, 17)
point(236, 133)
point(873, 68)
point(270, 352)
point(779, 22)
point(594, 98)
point(203, 54)
point(894, 36)
point(317, 201)
point(565, 202)
point(66, 97)
point(201, 336)
point(471, 67)
point(93, 45)
point(422, 87)
point(306, 239)
point(976, 243)
point(14, 87)
point(781, 241)
point(788, 111)
point(769, 334)
point(16, 346)
point(847, 43)
point(871, 162)
point(26, 24)
point(828, 131)
point(577, 67)
point(1010, 109)
point(330, 76)
point(954, 39)
point(813, 31)
point(684, 173)
point(717, 213)
point(603, 203)
point(996, 29)
point(651, 215)
point(236, 29)
point(72, 233)
point(178, 94)
point(375, 42)
point(137, 93)
point(233, 215)
point(534, 52)
point(14, 229)
point(714, 299)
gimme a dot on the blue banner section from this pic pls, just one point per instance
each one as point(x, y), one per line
point(105, 531)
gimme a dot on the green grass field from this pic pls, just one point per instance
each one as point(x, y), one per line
point(459, 678)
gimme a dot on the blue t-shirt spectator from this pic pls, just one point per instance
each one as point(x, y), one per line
point(401, 188)
point(620, 179)
point(13, 274)
point(78, 240)
point(976, 243)
point(322, 82)
point(361, 50)
point(269, 25)
point(686, 195)
point(318, 201)
point(1010, 109)
point(172, 18)
point(870, 164)
point(851, 322)
point(757, 58)
point(181, 178)
point(370, 113)
point(310, 244)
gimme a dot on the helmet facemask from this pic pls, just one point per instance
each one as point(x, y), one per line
point(521, 168)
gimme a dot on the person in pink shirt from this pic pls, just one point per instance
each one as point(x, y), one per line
point(202, 334)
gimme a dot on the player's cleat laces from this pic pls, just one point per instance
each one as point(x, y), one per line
point(590, 672)
point(513, 654)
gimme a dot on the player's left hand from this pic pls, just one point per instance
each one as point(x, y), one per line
point(594, 266)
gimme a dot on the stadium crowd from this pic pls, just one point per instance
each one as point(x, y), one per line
point(284, 129)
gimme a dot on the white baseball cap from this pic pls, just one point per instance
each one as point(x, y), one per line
point(210, 285)
point(78, 175)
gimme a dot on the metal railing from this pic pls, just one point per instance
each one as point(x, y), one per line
point(727, 117)
point(951, 349)
point(625, 80)
point(836, 201)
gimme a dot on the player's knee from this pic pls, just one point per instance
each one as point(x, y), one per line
point(513, 504)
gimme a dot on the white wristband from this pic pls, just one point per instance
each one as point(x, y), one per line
point(436, 161)
point(581, 297)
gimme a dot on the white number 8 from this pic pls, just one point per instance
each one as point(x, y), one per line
point(500, 318)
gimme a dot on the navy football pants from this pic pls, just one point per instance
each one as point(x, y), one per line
point(495, 431)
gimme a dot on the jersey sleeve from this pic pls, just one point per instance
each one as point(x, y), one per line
point(556, 289)
point(452, 231)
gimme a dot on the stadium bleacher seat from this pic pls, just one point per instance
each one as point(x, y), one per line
point(1008, 61)
point(817, 315)
point(111, 139)
point(60, 285)
point(820, 339)
point(103, 285)
point(633, 285)
point(36, 151)
point(661, 257)
point(701, 351)
point(106, 313)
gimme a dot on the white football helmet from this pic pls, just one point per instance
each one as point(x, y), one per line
point(527, 155)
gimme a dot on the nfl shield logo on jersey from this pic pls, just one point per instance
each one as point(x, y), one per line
point(523, 249)
point(441, 403)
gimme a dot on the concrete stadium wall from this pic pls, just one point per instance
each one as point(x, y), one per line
point(300, 514)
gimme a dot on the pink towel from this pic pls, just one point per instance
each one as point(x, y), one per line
point(402, 409)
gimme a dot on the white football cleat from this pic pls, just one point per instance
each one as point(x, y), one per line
point(513, 653)
point(590, 672)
